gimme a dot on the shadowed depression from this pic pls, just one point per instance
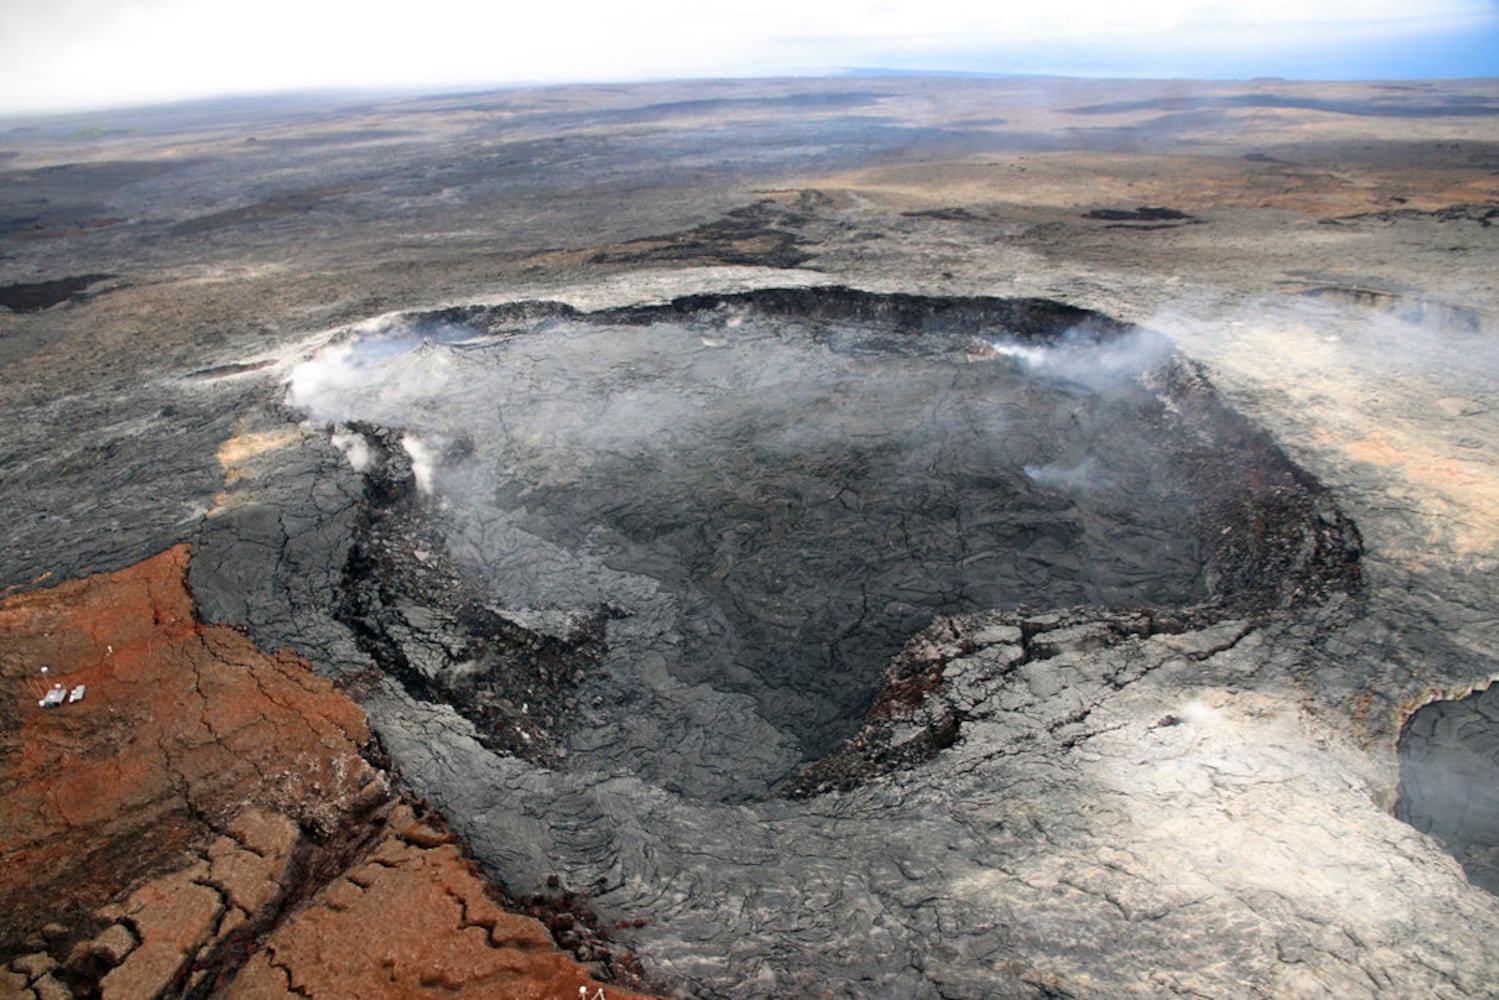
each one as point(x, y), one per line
point(734, 513)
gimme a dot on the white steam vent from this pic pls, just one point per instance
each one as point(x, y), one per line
point(1079, 356)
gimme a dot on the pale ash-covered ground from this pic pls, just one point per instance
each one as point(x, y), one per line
point(1206, 813)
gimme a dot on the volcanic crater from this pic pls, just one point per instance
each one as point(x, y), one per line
point(814, 641)
point(684, 541)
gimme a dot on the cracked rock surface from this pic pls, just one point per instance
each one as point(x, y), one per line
point(205, 820)
point(1447, 775)
point(412, 918)
point(1111, 812)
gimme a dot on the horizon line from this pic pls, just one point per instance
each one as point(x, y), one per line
point(439, 90)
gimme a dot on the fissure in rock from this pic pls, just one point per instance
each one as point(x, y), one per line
point(1449, 759)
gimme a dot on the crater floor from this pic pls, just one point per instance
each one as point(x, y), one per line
point(760, 507)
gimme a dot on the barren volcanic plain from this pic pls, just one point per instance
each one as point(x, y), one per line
point(868, 537)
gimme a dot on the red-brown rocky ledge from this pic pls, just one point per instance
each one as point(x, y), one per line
point(204, 820)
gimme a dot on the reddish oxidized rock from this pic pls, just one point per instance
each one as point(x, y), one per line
point(205, 819)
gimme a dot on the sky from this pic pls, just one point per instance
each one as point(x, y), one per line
point(84, 54)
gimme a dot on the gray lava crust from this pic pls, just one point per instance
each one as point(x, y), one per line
point(555, 718)
point(1107, 781)
point(746, 555)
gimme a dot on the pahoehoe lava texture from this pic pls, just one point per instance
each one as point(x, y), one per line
point(683, 541)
